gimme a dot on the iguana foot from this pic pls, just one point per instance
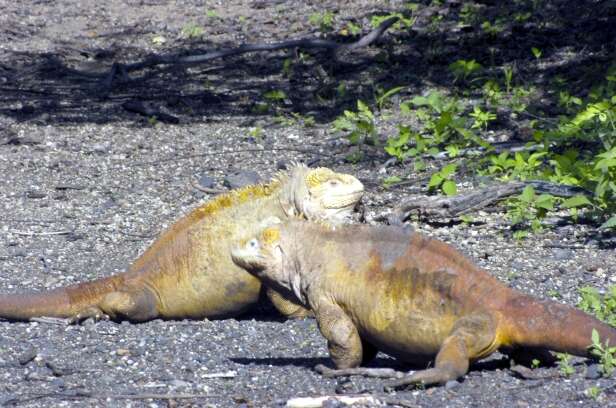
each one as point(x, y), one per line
point(91, 312)
point(429, 376)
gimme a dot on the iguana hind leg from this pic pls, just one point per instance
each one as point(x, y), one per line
point(472, 337)
point(136, 305)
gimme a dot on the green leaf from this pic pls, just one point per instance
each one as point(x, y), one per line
point(448, 170)
point(528, 194)
point(545, 201)
point(449, 188)
point(611, 223)
point(595, 337)
point(391, 180)
point(435, 180)
point(576, 201)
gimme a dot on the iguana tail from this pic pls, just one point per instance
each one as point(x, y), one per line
point(62, 302)
point(553, 326)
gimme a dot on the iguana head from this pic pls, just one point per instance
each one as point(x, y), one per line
point(263, 256)
point(320, 194)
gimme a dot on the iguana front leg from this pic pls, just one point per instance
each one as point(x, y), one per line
point(472, 337)
point(288, 307)
point(343, 341)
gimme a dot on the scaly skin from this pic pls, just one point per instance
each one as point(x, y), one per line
point(410, 296)
point(188, 272)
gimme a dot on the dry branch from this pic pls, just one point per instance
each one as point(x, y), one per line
point(451, 207)
point(122, 70)
point(362, 371)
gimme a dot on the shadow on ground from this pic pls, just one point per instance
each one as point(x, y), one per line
point(67, 87)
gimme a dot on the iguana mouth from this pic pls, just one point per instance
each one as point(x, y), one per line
point(342, 201)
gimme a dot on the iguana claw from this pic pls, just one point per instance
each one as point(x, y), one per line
point(90, 313)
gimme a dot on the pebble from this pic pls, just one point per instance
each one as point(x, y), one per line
point(206, 181)
point(593, 372)
point(561, 254)
point(241, 178)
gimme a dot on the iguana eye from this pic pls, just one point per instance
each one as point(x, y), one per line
point(253, 243)
point(333, 183)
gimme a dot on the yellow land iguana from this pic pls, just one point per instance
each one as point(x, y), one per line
point(188, 272)
point(387, 288)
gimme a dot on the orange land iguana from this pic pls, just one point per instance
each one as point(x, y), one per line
point(188, 272)
point(387, 288)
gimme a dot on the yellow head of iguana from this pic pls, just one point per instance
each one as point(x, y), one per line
point(320, 194)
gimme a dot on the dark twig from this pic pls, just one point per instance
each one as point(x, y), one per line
point(362, 371)
point(336, 48)
point(451, 207)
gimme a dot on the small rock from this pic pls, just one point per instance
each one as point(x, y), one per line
point(206, 181)
point(35, 194)
point(9, 399)
point(20, 253)
point(451, 384)
point(593, 372)
point(27, 356)
point(58, 382)
point(241, 178)
point(333, 403)
point(179, 384)
point(73, 236)
point(38, 373)
point(99, 148)
point(561, 254)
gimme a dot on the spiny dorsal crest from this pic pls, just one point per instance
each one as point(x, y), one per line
point(244, 194)
point(318, 176)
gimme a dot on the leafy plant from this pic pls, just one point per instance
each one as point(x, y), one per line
point(481, 118)
point(359, 126)
point(493, 29)
point(382, 96)
point(508, 72)
point(212, 14)
point(443, 180)
point(351, 29)
point(462, 69)
point(602, 307)
point(536, 52)
point(275, 95)
point(492, 93)
point(469, 13)
point(192, 31)
point(390, 181)
point(604, 353)
point(564, 364)
point(593, 392)
point(566, 100)
point(323, 20)
point(535, 363)
point(529, 208)
point(402, 23)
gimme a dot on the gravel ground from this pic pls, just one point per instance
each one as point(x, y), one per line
point(87, 185)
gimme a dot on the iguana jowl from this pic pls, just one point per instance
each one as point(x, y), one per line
point(386, 288)
point(188, 272)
